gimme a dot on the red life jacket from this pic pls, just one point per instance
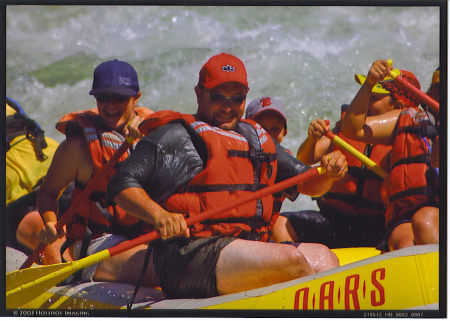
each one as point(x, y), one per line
point(94, 214)
point(411, 183)
point(358, 193)
point(237, 164)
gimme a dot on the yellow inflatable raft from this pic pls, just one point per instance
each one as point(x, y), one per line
point(366, 280)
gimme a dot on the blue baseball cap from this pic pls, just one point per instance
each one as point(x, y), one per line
point(115, 76)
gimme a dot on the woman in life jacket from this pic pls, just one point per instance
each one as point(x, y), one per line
point(93, 136)
point(28, 156)
point(410, 191)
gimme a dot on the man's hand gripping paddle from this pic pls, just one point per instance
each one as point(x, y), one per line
point(81, 198)
point(23, 286)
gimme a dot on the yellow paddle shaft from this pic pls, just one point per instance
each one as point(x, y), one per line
point(356, 153)
point(16, 296)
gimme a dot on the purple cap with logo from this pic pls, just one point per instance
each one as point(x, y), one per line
point(116, 77)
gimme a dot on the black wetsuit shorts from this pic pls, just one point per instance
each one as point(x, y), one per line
point(186, 267)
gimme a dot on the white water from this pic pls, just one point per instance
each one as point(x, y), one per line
point(305, 56)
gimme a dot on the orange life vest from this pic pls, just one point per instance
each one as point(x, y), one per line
point(238, 162)
point(411, 183)
point(95, 214)
point(358, 193)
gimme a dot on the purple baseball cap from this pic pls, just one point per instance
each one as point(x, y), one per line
point(115, 76)
point(265, 104)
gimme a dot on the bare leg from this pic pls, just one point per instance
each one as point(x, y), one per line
point(28, 230)
point(126, 267)
point(425, 224)
point(319, 256)
point(283, 230)
point(245, 265)
point(27, 234)
point(401, 236)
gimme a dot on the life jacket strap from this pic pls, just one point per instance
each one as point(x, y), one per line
point(429, 131)
point(253, 223)
point(419, 159)
point(220, 188)
point(358, 172)
point(409, 192)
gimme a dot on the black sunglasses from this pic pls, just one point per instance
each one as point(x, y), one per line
point(219, 98)
point(103, 98)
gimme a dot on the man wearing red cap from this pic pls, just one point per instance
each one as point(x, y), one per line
point(191, 163)
point(411, 189)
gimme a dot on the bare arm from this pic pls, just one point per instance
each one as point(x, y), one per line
point(283, 231)
point(336, 168)
point(316, 144)
point(378, 129)
point(374, 129)
point(135, 201)
point(71, 161)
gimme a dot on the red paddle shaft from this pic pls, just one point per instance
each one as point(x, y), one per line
point(420, 94)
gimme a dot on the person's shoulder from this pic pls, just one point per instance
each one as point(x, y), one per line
point(72, 159)
point(175, 138)
point(143, 112)
point(167, 133)
point(287, 150)
point(75, 145)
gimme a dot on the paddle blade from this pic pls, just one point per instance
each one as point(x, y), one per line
point(21, 291)
point(19, 277)
point(22, 294)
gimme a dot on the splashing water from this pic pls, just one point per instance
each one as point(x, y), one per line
point(305, 56)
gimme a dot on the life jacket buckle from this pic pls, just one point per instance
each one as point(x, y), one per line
point(261, 156)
